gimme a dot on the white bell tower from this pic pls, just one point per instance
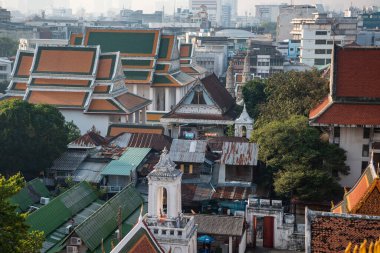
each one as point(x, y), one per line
point(244, 124)
point(173, 230)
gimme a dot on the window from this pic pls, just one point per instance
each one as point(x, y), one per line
point(330, 42)
point(320, 51)
point(320, 32)
point(291, 49)
point(364, 165)
point(366, 132)
point(365, 150)
point(198, 98)
point(328, 61)
point(328, 51)
point(320, 42)
point(3, 68)
point(336, 132)
point(319, 61)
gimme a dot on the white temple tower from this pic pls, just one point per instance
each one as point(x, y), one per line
point(244, 124)
point(173, 230)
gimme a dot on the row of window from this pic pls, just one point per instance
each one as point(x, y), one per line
point(327, 42)
point(366, 132)
point(320, 32)
point(323, 51)
point(322, 61)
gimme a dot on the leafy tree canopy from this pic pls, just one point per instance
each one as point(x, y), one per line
point(73, 131)
point(14, 235)
point(294, 152)
point(8, 47)
point(292, 93)
point(32, 137)
point(254, 97)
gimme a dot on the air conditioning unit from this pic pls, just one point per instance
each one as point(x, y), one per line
point(68, 229)
point(75, 241)
point(44, 201)
point(72, 249)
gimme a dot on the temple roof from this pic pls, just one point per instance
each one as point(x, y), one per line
point(165, 167)
point(244, 117)
point(354, 97)
point(364, 197)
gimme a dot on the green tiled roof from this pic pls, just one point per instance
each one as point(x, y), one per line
point(164, 48)
point(103, 223)
point(160, 66)
point(161, 79)
point(78, 41)
point(62, 208)
point(128, 162)
point(30, 194)
point(142, 63)
point(136, 75)
point(125, 42)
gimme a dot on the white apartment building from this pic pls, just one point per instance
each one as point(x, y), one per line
point(214, 9)
point(318, 36)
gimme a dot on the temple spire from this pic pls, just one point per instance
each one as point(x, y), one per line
point(246, 68)
point(230, 84)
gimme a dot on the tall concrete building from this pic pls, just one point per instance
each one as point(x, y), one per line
point(319, 34)
point(267, 13)
point(289, 12)
point(214, 9)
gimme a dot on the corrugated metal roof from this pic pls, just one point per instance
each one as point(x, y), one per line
point(128, 162)
point(239, 153)
point(103, 222)
point(89, 171)
point(192, 151)
point(142, 140)
point(88, 140)
point(70, 160)
point(219, 224)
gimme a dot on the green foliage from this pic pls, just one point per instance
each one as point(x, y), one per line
point(292, 93)
point(73, 131)
point(230, 130)
point(8, 47)
point(32, 137)
point(294, 152)
point(14, 235)
point(254, 97)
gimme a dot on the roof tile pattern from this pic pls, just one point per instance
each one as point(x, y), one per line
point(24, 64)
point(220, 224)
point(30, 194)
point(57, 98)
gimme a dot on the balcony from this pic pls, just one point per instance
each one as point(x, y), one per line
point(180, 228)
point(112, 189)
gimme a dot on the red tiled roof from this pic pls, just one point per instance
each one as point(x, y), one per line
point(57, 98)
point(131, 101)
point(24, 64)
point(348, 114)
point(218, 92)
point(319, 108)
point(351, 78)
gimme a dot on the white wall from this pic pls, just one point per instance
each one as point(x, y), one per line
point(351, 140)
point(86, 121)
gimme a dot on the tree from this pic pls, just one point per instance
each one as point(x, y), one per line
point(254, 97)
point(230, 130)
point(31, 137)
point(73, 131)
point(294, 152)
point(292, 93)
point(8, 47)
point(14, 235)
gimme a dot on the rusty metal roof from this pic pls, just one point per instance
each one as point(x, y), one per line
point(191, 151)
point(239, 153)
point(142, 140)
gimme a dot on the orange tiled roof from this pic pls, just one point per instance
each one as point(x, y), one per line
point(57, 98)
point(346, 114)
point(105, 67)
point(188, 70)
point(103, 105)
point(102, 89)
point(24, 64)
point(19, 86)
point(65, 60)
point(75, 37)
point(60, 82)
point(319, 108)
point(185, 50)
point(116, 129)
point(131, 101)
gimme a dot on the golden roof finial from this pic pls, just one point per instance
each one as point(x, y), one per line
point(332, 204)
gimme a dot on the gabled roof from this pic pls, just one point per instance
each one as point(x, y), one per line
point(239, 153)
point(88, 140)
point(364, 197)
point(65, 60)
point(30, 194)
point(62, 208)
point(23, 64)
point(138, 240)
point(142, 140)
point(69, 161)
point(104, 222)
point(354, 97)
point(220, 95)
point(219, 224)
point(192, 151)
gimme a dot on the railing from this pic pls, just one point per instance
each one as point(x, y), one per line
point(171, 228)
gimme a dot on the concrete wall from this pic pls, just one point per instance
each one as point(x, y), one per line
point(86, 121)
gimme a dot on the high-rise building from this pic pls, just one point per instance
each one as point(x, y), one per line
point(214, 9)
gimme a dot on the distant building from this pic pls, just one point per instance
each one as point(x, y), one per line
point(139, 17)
point(31, 44)
point(289, 12)
point(214, 9)
point(5, 15)
point(319, 34)
point(226, 16)
point(369, 21)
point(5, 69)
point(368, 38)
point(267, 13)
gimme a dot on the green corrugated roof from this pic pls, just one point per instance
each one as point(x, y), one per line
point(128, 162)
point(103, 223)
point(30, 194)
point(62, 208)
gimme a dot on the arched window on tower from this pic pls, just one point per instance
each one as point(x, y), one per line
point(244, 131)
point(198, 98)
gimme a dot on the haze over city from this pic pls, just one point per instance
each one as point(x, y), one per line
point(245, 7)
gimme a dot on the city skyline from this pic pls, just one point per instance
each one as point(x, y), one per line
point(245, 7)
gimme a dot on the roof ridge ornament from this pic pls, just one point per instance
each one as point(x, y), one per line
point(165, 164)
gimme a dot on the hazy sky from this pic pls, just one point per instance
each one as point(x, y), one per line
point(152, 5)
